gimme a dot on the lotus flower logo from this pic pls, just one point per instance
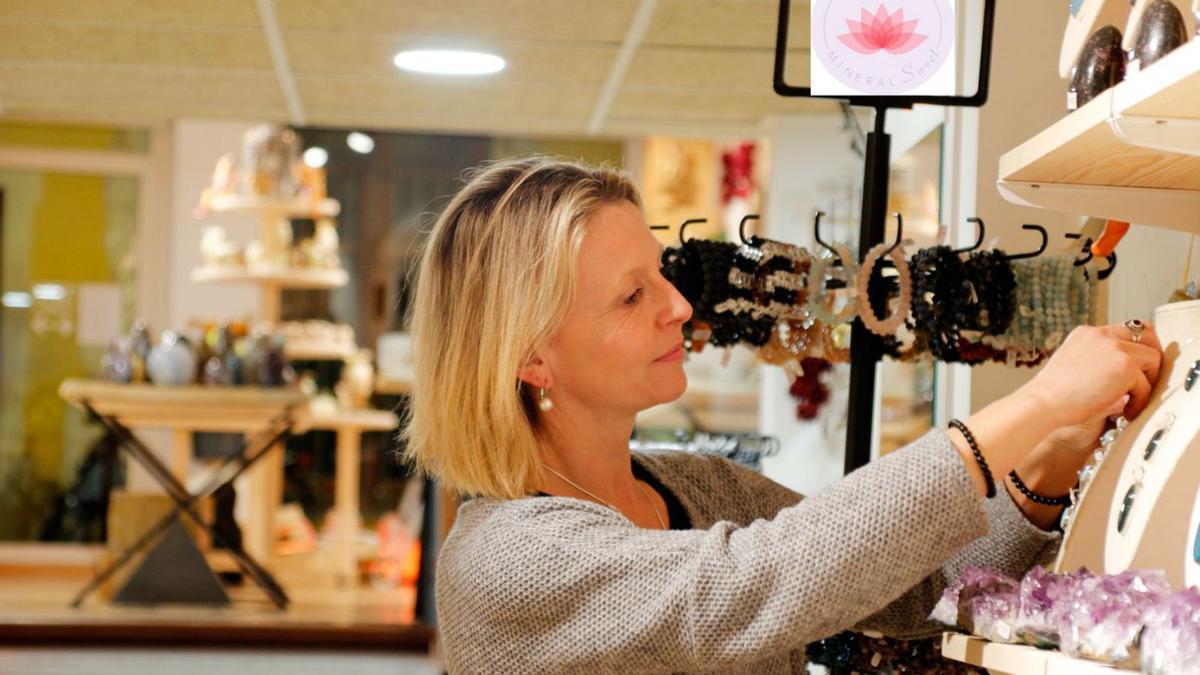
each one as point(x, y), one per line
point(882, 31)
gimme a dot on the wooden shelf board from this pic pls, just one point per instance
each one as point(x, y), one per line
point(223, 409)
point(1020, 659)
point(1087, 148)
point(296, 208)
point(316, 352)
point(283, 278)
point(363, 420)
point(392, 385)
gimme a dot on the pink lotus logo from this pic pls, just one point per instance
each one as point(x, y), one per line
point(882, 31)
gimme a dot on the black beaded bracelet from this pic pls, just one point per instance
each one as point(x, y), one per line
point(1064, 500)
point(983, 465)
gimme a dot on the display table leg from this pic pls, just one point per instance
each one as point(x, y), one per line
point(181, 454)
point(266, 490)
point(346, 478)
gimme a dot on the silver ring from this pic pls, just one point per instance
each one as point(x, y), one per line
point(1135, 327)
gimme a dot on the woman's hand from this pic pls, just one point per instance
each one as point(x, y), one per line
point(1093, 369)
point(1096, 372)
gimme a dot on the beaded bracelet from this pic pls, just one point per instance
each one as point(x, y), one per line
point(1064, 500)
point(866, 313)
point(983, 465)
point(816, 286)
point(939, 291)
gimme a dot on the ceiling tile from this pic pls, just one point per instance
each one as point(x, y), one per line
point(516, 99)
point(184, 95)
point(239, 50)
point(708, 106)
point(211, 13)
point(733, 71)
point(725, 23)
point(476, 20)
point(371, 56)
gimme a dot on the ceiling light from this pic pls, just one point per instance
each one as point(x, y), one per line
point(316, 156)
point(16, 300)
point(449, 62)
point(360, 142)
point(49, 291)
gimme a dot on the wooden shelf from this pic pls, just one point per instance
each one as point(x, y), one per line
point(1000, 658)
point(366, 419)
point(192, 407)
point(294, 208)
point(281, 278)
point(1132, 153)
point(385, 384)
point(311, 351)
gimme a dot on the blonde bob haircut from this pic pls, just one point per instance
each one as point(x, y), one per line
point(496, 278)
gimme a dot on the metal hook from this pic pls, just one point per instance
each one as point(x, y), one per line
point(1086, 250)
point(683, 227)
point(979, 228)
point(1041, 249)
point(742, 227)
point(899, 233)
point(817, 233)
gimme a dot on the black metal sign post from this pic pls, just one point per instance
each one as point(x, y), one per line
point(866, 348)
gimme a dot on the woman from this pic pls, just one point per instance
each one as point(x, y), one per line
point(542, 325)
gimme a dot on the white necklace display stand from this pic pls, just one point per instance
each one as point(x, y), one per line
point(1165, 501)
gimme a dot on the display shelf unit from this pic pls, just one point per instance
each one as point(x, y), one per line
point(278, 279)
point(293, 208)
point(316, 352)
point(1132, 153)
point(1002, 659)
point(393, 385)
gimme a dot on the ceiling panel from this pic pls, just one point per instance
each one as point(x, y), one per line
point(723, 24)
point(566, 100)
point(692, 68)
point(75, 43)
point(704, 67)
point(709, 106)
point(371, 57)
point(211, 13)
point(178, 92)
point(547, 20)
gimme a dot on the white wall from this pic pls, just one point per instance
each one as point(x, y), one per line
point(197, 145)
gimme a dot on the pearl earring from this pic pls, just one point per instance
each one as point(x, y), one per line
point(544, 404)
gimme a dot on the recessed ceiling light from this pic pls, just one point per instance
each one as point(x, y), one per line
point(449, 62)
point(360, 142)
point(316, 156)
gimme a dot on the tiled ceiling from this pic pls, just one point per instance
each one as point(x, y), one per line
point(700, 67)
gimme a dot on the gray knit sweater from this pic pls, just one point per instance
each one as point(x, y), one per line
point(562, 585)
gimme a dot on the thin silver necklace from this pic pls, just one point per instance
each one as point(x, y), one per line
point(639, 487)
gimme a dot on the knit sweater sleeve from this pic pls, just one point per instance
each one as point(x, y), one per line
point(559, 585)
point(1011, 547)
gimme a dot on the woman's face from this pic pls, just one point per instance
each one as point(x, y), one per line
point(620, 347)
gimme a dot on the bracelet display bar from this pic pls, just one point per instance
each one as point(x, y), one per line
point(1006, 659)
point(1132, 153)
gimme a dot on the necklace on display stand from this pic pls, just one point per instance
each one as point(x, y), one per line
point(1139, 493)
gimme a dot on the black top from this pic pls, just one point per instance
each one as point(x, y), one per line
point(677, 515)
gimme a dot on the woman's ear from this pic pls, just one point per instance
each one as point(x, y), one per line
point(536, 373)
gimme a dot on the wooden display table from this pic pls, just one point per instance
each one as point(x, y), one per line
point(245, 410)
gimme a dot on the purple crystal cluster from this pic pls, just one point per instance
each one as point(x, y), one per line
point(1171, 639)
point(1094, 616)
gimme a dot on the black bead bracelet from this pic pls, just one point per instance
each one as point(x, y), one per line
point(983, 465)
point(1064, 500)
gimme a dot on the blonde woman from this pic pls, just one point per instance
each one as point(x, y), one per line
point(542, 325)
